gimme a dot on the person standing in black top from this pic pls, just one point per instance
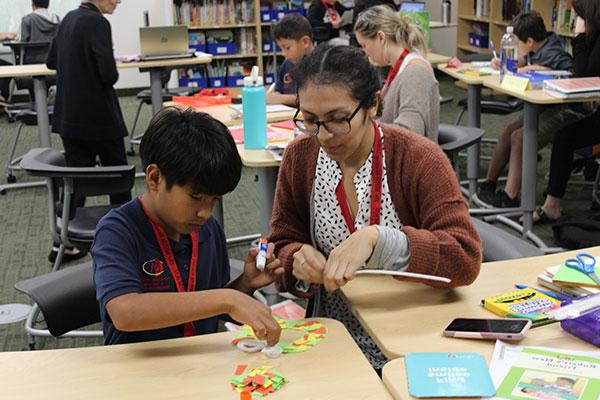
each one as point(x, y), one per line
point(585, 132)
point(326, 15)
point(87, 114)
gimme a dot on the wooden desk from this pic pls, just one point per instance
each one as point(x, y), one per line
point(435, 59)
point(533, 99)
point(39, 71)
point(189, 368)
point(404, 317)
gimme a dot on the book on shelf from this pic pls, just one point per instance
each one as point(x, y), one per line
point(214, 12)
point(573, 87)
point(524, 303)
point(563, 17)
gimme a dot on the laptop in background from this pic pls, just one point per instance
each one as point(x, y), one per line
point(164, 42)
point(412, 6)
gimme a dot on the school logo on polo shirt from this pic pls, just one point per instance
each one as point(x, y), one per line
point(153, 267)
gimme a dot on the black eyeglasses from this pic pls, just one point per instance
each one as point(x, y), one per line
point(338, 126)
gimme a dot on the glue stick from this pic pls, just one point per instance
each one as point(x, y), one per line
point(261, 257)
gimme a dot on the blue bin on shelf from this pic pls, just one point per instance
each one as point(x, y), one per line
point(267, 46)
point(217, 82)
point(269, 79)
point(276, 15)
point(235, 81)
point(480, 41)
point(220, 49)
point(198, 47)
point(194, 81)
point(265, 15)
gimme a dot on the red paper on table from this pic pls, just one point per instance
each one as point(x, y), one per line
point(289, 124)
point(272, 136)
point(240, 369)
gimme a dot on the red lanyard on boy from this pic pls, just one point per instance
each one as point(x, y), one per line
point(393, 72)
point(332, 13)
point(167, 252)
point(376, 183)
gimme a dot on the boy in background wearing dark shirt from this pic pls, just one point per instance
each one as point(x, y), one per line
point(294, 35)
point(538, 50)
point(161, 268)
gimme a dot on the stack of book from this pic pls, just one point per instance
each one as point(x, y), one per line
point(563, 18)
point(567, 281)
point(573, 88)
point(214, 12)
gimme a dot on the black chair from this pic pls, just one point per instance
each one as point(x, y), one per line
point(499, 245)
point(26, 117)
point(67, 300)
point(453, 138)
point(73, 226)
point(498, 104)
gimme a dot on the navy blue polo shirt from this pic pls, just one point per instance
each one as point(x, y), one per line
point(285, 81)
point(128, 259)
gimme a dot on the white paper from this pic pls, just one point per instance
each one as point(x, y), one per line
point(402, 273)
point(271, 108)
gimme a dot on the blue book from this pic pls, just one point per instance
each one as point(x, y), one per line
point(448, 375)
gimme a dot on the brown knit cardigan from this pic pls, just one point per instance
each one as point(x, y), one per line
point(425, 193)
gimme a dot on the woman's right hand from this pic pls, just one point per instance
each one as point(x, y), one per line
point(309, 264)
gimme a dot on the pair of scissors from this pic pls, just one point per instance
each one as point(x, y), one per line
point(584, 263)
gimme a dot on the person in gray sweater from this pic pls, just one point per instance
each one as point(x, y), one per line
point(39, 26)
point(411, 97)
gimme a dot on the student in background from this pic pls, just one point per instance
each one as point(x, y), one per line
point(40, 25)
point(411, 96)
point(87, 114)
point(161, 268)
point(538, 50)
point(353, 193)
point(363, 5)
point(294, 35)
point(4, 36)
point(327, 14)
point(586, 131)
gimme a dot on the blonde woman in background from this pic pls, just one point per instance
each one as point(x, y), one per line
point(411, 97)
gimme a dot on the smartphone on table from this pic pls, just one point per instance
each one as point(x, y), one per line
point(488, 328)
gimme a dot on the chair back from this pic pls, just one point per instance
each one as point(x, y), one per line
point(67, 298)
point(77, 181)
point(499, 245)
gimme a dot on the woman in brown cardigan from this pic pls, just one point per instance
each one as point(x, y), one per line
point(354, 194)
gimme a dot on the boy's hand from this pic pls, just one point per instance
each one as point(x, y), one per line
point(535, 67)
point(495, 64)
point(253, 277)
point(309, 264)
point(349, 256)
point(246, 310)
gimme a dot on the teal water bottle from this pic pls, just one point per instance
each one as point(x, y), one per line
point(254, 109)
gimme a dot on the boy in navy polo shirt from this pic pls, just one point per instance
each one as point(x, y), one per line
point(161, 268)
point(293, 34)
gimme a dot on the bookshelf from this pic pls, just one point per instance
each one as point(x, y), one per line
point(496, 24)
point(210, 18)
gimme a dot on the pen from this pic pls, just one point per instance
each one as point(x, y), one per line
point(493, 49)
point(553, 295)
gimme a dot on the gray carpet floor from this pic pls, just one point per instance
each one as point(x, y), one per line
point(25, 239)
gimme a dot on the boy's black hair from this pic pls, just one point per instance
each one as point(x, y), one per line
point(192, 148)
point(529, 24)
point(292, 26)
point(41, 3)
point(340, 65)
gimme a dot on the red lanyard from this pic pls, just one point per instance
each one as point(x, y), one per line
point(376, 183)
point(85, 5)
point(167, 252)
point(332, 13)
point(393, 72)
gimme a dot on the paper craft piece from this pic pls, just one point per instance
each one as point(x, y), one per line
point(474, 72)
point(259, 381)
point(525, 303)
point(572, 277)
point(288, 309)
point(448, 375)
point(272, 136)
point(313, 331)
point(240, 369)
point(511, 82)
point(289, 124)
point(547, 374)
